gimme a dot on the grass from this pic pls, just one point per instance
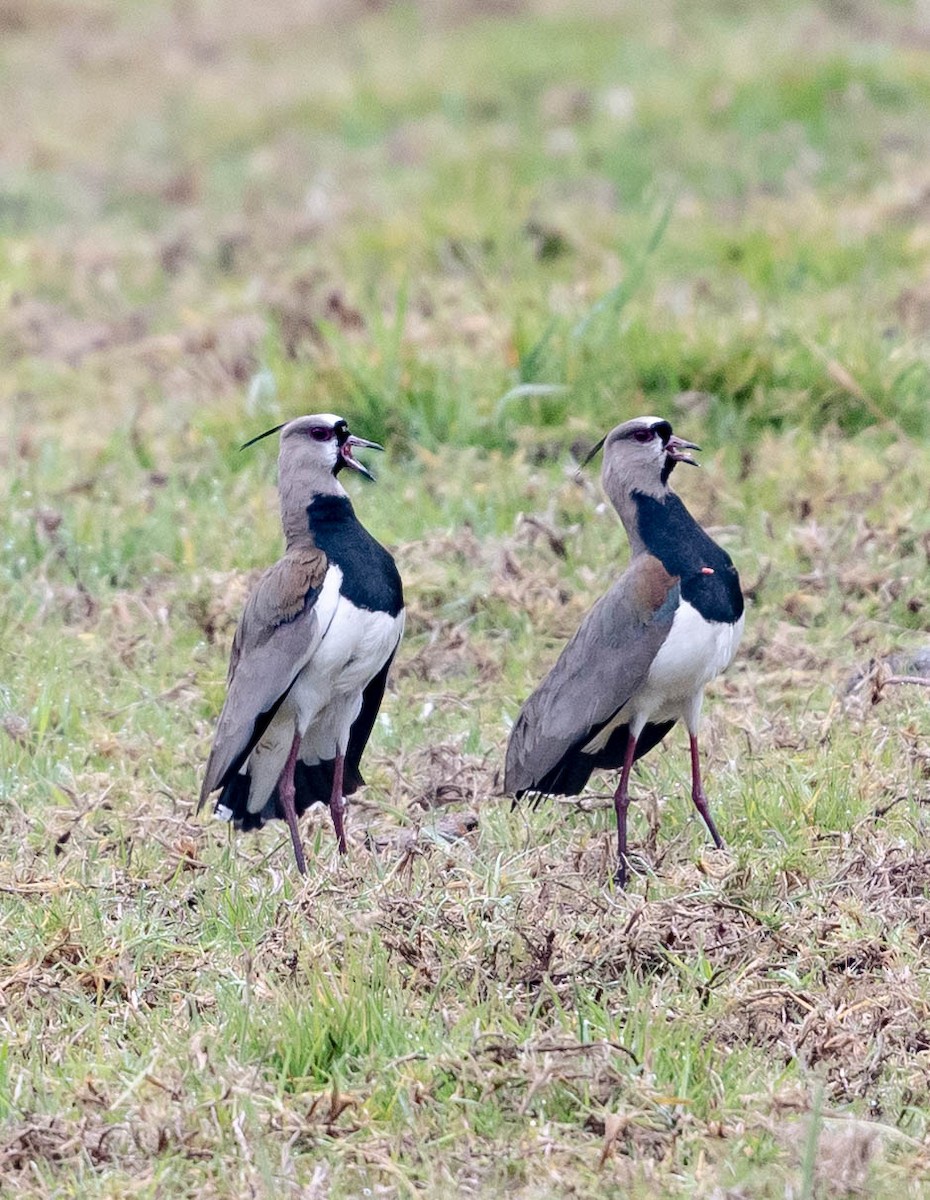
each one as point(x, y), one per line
point(485, 236)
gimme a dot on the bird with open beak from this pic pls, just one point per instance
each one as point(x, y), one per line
point(644, 653)
point(311, 653)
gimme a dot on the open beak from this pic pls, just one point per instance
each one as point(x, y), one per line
point(362, 444)
point(677, 450)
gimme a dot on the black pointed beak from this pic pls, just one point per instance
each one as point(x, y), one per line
point(677, 450)
point(347, 457)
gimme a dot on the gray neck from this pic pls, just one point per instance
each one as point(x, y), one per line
point(620, 489)
point(298, 483)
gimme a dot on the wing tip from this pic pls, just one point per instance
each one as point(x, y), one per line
point(209, 785)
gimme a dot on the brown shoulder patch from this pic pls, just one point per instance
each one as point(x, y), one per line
point(652, 585)
point(279, 597)
point(287, 583)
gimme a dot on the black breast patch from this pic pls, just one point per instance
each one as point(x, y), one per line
point(709, 581)
point(369, 575)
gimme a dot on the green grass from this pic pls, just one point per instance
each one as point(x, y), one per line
point(485, 238)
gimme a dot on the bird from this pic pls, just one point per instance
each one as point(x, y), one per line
point(312, 651)
point(643, 654)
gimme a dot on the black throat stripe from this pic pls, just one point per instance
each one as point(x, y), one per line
point(369, 575)
point(709, 581)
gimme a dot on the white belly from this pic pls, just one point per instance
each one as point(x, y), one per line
point(326, 696)
point(329, 691)
point(695, 652)
point(354, 647)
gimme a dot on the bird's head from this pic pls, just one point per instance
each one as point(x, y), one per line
point(319, 445)
point(640, 455)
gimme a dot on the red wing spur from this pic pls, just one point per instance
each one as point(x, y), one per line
point(313, 648)
point(643, 655)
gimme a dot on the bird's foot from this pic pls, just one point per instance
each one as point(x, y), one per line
point(716, 863)
point(627, 865)
point(290, 816)
point(338, 808)
point(298, 852)
point(699, 800)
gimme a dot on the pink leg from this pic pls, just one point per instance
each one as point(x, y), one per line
point(697, 793)
point(337, 803)
point(621, 804)
point(286, 793)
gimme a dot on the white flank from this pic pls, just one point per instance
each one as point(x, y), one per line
point(695, 652)
point(327, 695)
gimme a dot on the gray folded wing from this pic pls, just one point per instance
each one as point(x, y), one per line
point(275, 639)
point(601, 668)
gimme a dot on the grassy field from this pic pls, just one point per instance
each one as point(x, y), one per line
point(484, 232)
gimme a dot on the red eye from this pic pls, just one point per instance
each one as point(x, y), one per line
point(320, 433)
point(643, 435)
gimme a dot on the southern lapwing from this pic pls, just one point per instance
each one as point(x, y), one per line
point(311, 653)
point(643, 655)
